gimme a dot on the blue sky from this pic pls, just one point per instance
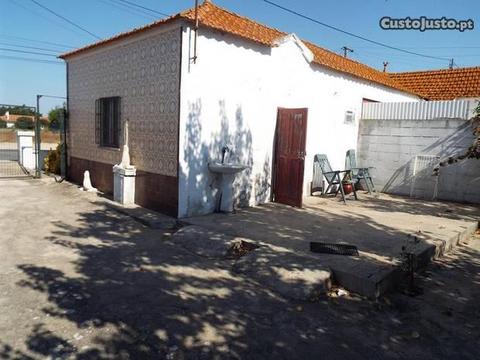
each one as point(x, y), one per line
point(21, 80)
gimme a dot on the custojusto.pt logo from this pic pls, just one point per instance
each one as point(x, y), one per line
point(424, 23)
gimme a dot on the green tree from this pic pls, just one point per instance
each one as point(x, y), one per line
point(25, 123)
point(3, 124)
point(54, 117)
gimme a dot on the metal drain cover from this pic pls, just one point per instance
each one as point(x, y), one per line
point(335, 249)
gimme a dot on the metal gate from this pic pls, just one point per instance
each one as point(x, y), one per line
point(10, 154)
point(30, 145)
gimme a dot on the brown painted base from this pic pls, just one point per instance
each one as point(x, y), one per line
point(153, 191)
point(100, 173)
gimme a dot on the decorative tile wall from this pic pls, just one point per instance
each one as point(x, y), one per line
point(146, 75)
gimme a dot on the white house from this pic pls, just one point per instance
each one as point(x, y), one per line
point(274, 100)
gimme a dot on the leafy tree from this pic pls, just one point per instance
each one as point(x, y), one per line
point(24, 123)
point(54, 117)
point(3, 124)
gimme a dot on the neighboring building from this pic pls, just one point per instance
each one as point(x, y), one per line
point(11, 119)
point(451, 84)
point(249, 87)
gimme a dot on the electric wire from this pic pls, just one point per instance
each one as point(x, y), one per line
point(27, 52)
point(306, 17)
point(65, 19)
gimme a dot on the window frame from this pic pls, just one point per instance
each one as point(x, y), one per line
point(108, 122)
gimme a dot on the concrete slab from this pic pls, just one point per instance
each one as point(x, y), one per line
point(147, 217)
point(294, 276)
point(378, 226)
point(81, 281)
point(204, 242)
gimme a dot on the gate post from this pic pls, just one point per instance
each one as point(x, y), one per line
point(38, 166)
point(63, 144)
point(26, 156)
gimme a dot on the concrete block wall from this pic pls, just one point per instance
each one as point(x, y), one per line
point(390, 146)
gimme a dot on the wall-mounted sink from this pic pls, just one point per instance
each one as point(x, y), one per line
point(226, 174)
point(219, 168)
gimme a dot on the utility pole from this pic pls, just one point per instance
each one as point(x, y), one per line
point(38, 173)
point(385, 64)
point(195, 39)
point(346, 50)
point(450, 65)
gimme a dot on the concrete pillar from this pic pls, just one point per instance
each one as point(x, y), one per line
point(124, 184)
point(26, 156)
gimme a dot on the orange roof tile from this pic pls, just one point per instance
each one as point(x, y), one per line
point(442, 84)
point(215, 17)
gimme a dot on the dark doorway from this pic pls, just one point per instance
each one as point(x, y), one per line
point(289, 156)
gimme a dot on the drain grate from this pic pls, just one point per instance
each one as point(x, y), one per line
point(335, 249)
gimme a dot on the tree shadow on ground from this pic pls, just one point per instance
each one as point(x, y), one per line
point(154, 297)
point(136, 294)
point(321, 220)
point(402, 204)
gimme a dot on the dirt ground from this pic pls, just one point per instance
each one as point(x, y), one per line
point(10, 136)
point(80, 280)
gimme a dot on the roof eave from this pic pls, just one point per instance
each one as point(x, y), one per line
point(122, 36)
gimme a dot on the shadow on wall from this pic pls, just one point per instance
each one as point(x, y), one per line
point(200, 184)
point(415, 179)
point(455, 182)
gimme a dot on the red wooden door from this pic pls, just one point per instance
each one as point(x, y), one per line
point(289, 162)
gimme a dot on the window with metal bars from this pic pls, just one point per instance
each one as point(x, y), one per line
point(107, 122)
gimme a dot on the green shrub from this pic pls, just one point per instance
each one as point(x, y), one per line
point(52, 160)
point(3, 124)
point(25, 123)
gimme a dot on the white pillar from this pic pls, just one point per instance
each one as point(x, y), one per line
point(226, 203)
point(124, 184)
point(25, 149)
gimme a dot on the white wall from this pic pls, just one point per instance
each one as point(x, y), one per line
point(230, 97)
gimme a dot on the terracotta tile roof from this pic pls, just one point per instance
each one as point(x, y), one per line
point(220, 19)
point(442, 84)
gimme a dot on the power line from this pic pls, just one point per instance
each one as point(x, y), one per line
point(426, 47)
point(29, 47)
point(65, 19)
point(27, 52)
point(31, 60)
point(42, 16)
point(129, 9)
point(36, 41)
point(143, 7)
point(350, 33)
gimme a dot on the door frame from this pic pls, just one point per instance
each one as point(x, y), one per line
point(274, 157)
